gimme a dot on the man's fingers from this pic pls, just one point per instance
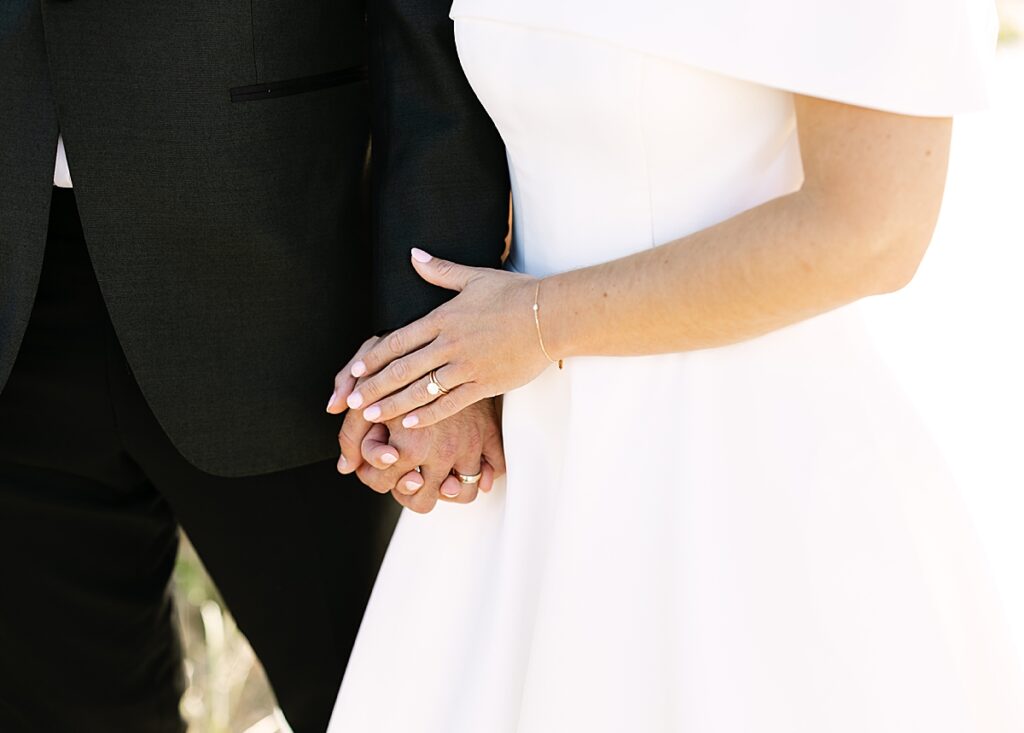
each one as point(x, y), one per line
point(494, 454)
point(454, 490)
point(380, 481)
point(345, 382)
point(410, 483)
point(424, 500)
point(487, 480)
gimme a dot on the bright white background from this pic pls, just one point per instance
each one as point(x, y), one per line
point(955, 336)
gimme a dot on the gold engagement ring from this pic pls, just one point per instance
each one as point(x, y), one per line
point(434, 387)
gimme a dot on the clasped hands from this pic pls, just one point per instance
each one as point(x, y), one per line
point(418, 467)
point(403, 435)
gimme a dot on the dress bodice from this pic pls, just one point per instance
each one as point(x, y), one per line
point(593, 128)
point(678, 115)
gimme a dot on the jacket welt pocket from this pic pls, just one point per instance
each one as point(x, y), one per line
point(300, 85)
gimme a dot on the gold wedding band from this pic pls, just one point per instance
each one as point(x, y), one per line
point(434, 387)
point(468, 480)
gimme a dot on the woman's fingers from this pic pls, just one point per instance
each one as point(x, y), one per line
point(395, 376)
point(444, 406)
point(376, 450)
point(410, 483)
point(442, 273)
point(345, 382)
point(487, 480)
point(419, 393)
point(424, 500)
point(457, 492)
point(394, 346)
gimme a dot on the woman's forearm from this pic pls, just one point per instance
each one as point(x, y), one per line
point(769, 267)
point(858, 227)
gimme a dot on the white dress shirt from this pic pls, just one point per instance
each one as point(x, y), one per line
point(61, 174)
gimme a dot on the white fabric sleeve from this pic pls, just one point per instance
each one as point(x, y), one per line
point(915, 57)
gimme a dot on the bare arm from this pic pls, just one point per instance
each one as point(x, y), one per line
point(859, 226)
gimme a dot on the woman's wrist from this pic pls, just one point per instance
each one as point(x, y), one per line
point(555, 327)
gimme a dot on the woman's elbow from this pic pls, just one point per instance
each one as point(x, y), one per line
point(896, 258)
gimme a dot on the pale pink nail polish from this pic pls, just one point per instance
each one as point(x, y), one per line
point(410, 421)
point(447, 493)
point(333, 401)
point(388, 459)
point(371, 413)
point(412, 486)
point(342, 464)
point(358, 369)
point(355, 400)
point(420, 256)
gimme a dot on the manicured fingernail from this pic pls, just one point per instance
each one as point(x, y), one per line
point(449, 494)
point(388, 458)
point(355, 400)
point(333, 401)
point(358, 369)
point(342, 463)
point(420, 256)
point(371, 413)
point(410, 421)
point(412, 487)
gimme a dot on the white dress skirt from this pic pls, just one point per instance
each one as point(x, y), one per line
point(758, 538)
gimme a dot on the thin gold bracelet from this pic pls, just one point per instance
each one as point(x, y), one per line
point(536, 320)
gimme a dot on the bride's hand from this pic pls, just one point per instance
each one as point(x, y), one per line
point(482, 343)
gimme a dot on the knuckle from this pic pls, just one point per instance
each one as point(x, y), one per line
point(447, 405)
point(420, 504)
point(367, 476)
point(345, 441)
point(371, 391)
point(452, 342)
point(448, 446)
point(419, 454)
point(426, 415)
point(395, 343)
point(398, 370)
point(387, 407)
point(415, 445)
point(437, 318)
point(349, 443)
point(420, 393)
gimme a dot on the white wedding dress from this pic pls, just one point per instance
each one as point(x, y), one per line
point(751, 539)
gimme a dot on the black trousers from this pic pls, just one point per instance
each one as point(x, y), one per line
point(91, 496)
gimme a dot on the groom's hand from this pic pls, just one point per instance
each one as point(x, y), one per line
point(469, 442)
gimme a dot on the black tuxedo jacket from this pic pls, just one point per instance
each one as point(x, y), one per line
point(218, 151)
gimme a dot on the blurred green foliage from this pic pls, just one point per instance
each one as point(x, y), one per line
point(228, 691)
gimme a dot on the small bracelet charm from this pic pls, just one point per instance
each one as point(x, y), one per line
point(536, 320)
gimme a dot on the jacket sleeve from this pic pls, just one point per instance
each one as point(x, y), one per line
point(439, 176)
